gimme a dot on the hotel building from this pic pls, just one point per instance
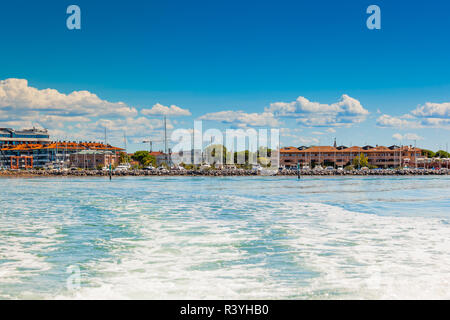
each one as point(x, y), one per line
point(13, 137)
point(380, 156)
point(94, 159)
point(33, 149)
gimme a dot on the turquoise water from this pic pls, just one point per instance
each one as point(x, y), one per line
point(234, 238)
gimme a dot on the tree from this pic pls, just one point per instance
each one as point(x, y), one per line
point(263, 151)
point(442, 154)
point(144, 158)
point(360, 161)
point(428, 153)
point(123, 157)
point(214, 152)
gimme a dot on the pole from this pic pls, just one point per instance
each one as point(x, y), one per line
point(165, 135)
point(415, 153)
point(298, 170)
point(165, 141)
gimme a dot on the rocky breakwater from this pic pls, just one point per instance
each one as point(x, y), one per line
point(373, 172)
point(220, 173)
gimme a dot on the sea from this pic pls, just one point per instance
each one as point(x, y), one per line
point(225, 237)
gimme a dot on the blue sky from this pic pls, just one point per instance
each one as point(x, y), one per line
point(230, 63)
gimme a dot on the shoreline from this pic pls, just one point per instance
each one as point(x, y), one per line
point(219, 173)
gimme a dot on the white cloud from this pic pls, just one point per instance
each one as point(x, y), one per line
point(396, 122)
point(265, 119)
point(436, 123)
point(429, 115)
point(141, 126)
point(434, 110)
point(306, 140)
point(159, 109)
point(314, 114)
point(17, 95)
point(406, 136)
point(80, 115)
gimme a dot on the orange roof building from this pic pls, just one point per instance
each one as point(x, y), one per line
point(50, 152)
point(380, 156)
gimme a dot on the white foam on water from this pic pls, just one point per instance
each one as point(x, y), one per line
point(330, 253)
point(228, 241)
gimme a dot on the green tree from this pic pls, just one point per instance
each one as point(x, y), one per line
point(144, 158)
point(428, 153)
point(263, 161)
point(215, 150)
point(360, 161)
point(123, 157)
point(263, 151)
point(442, 154)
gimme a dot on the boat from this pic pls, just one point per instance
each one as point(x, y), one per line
point(267, 171)
point(123, 167)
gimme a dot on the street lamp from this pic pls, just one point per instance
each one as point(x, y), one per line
point(150, 144)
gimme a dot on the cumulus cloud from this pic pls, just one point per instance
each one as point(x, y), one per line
point(265, 119)
point(159, 109)
point(314, 114)
point(140, 126)
point(406, 136)
point(396, 122)
point(16, 94)
point(436, 123)
point(306, 140)
point(434, 110)
point(80, 115)
point(429, 115)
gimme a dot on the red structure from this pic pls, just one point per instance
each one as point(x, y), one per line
point(25, 162)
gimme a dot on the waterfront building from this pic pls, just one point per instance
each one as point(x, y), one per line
point(13, 137)
point(94, 159)
point(49, 153)
point(340, 156)
point(160, 157)
point(437, 163)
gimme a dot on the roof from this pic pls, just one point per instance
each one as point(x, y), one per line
point(94, 152)
point(157, 153)
point(61, 145)
point(353, 149)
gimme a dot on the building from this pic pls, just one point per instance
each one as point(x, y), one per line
point(437, 163)
point(94, 159)
point(48, 153)
point(380, 156)
point(21, 162)
point(160, 157)
point(10, 136)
